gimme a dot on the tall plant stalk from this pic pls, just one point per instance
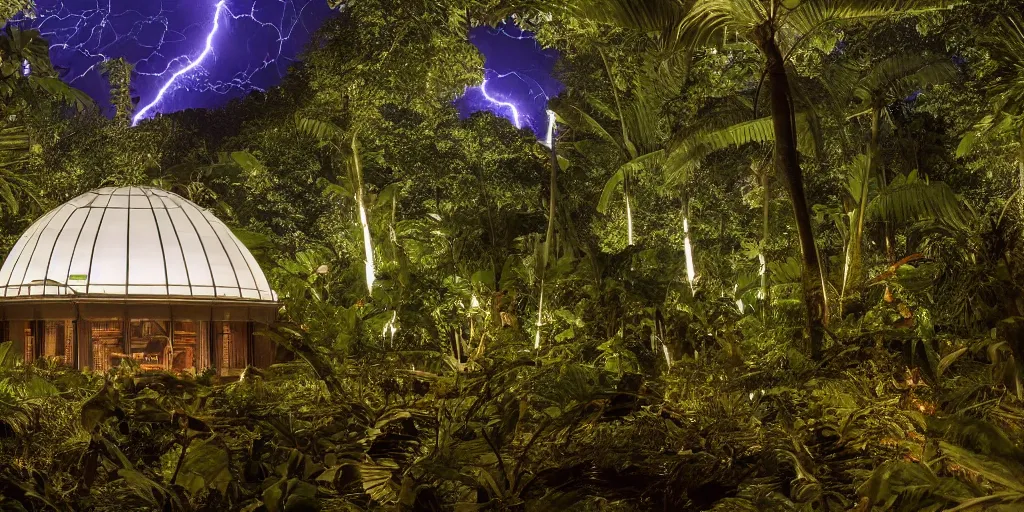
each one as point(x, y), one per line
point(550, 234)
point(691, 271)
point(357, 168)
point(762, 258)
point(628, 149)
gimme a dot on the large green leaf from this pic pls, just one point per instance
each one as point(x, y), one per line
point(910, 198)
point(206, 465)
point(642, 162)
point(811, 15)
point(99, 407)
point(324, 131)
point(584, 122)
point(56, 88)
point(8, 356)
point(1004, 474)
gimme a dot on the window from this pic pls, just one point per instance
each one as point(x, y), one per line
point(49, 339)
point(107, 337)
point(232, 342)
point(190, 347)
point(150, 344)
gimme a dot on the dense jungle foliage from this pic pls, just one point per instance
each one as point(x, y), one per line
point(774, 261)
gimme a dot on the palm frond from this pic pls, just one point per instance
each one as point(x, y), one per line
point(58, 89)
point(709, 21)
point(641, 120)
point(910, 198)
point(643, 162)
point(687, 153)
point(323, 131)
point(582, 121)
point(899, 76)
point(811, 15)
point(1007, 49)
point(988, 126)
point(14, 138)
point(648, 16)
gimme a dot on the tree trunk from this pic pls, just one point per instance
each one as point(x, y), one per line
point(875, 154)
point(786, 160)
point(1020, 175)
point(629, 210)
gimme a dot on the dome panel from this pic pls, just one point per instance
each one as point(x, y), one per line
point(145, 261)
point(174, 259)
point(223, 273)
point(243, 273)
point(109, 268)
point(118, 201)
point(196, 265)
point(64, 248)
point(20, 264)
point(78, 270)
point(132, 242)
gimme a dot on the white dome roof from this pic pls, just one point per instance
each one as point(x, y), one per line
point(132, 241)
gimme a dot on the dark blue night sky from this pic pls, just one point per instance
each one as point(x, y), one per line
point(253, 44)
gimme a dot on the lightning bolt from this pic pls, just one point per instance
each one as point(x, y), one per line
point(505, 98)
point(156, 35)
point(514, 109)
point(502, 32)
point(195, 63)
point(503, 104)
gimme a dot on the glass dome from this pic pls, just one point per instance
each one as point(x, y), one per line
point(132, 242)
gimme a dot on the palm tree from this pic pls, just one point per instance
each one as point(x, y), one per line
point(687, 153)
point(635, 137)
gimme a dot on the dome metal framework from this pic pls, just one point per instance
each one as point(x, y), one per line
point(136, 274)
point(132, 241)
